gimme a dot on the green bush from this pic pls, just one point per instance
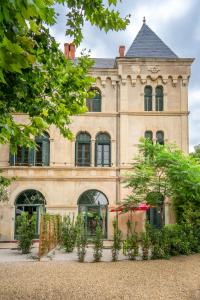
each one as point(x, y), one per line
point(131, 246)
point(145, 241)
point(98, 242)
point(178, 242)
point(68, 234)
point(159, 243)
point(26, 230)
point(81, 238)
point(117, 241)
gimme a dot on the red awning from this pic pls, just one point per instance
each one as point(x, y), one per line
point(122, 208)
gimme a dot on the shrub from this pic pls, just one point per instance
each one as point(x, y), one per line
point(178, 241)
point(146, 244)
point(81, 238)
point(159, 242)
point(117, 241)
point(130, 245)
point(68, 234)
point(98, 242)
point(26, 230)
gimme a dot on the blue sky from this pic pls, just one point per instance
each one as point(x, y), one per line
point(176, 22)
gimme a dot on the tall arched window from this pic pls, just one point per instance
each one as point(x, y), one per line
point(149, 135)
point(148, 98)
point(159, 98)
point(103, 150)
point(160, 137)
point(83, 149)
point(38, 156)
point(94, 103)
point(30, 201)
point(93, 204)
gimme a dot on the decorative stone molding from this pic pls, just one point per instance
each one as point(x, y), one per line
point(103, 83)
point(174, 81)
point(143, 80)
point(154, 69)
point(133, 82)
point(123, 80)
point(185, 81)
point(113, 82)
point(135, 70)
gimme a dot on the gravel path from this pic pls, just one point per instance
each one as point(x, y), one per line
point(177, 279)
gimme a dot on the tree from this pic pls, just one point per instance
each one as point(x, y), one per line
point(196, 153)
point(4, 183)
point(165, 170)
point(35, 78)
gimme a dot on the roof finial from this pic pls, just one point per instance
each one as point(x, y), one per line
point(144, 20)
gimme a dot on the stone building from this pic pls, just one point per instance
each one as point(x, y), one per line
point(141, 93)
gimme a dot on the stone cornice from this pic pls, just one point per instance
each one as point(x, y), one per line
point(140, 113)
point(128, 60)
point(75, 178)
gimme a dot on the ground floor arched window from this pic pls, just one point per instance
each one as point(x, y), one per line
point(93, 204)
point(30, 201)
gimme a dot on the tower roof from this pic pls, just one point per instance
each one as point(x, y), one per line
point(148, 44)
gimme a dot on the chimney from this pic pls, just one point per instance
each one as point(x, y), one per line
point(69, 50)
point(121, 51)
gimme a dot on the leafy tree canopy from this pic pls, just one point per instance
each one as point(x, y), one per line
point(35, 78)
point(167, 171)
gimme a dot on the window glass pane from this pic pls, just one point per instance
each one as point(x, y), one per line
point(148, 135)
point(93, 197)
point(159, 98)
point(99, 155)
point(160, 137)
point(94, 104)
point(87, 155)
point(89, 104)
point(148, 98)
point(103, 150)
point(22, 156)
point(38, 154)
point(83, 154)
point(106, 155)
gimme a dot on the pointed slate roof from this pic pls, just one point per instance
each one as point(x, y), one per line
point(148, 44)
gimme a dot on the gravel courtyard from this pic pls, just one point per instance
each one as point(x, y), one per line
point(177, 279)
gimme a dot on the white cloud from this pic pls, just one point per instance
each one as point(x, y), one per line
point(159, 13)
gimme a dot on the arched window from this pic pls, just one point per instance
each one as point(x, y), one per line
point(159, 98)
point(94, 104)
point(30, 201)
point(148, 98)
point(38, 156)
point(83, 149)
point(103, 150)
point(149, 135)
point(160, 137)
point(93, 205)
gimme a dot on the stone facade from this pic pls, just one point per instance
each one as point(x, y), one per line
point(123, 117)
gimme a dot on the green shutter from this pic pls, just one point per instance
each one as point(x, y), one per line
point(45, 152)
point(12, 159)
point(31, 156)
